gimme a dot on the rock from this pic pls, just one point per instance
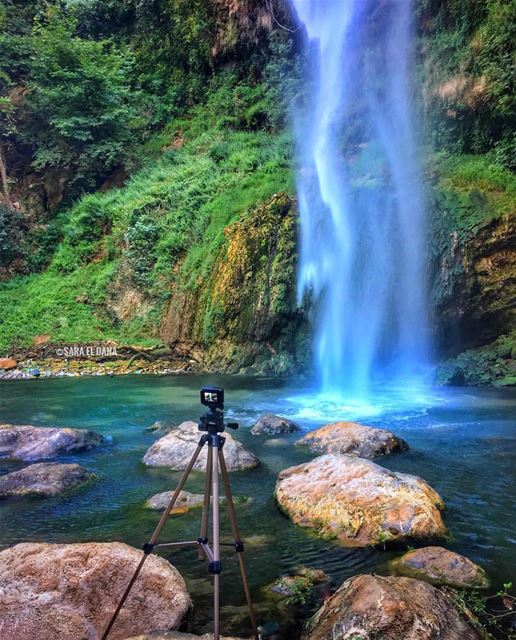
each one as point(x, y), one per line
point(25, 442)
point(176, 448)
point(8, 363)
point(352, 438)
point(440, 566)
point(44, 479)
point(160, 426)
point(300, 582)
point(272, 425)
point(449, 374)
point(359, 502)
point(389, 608)
point(70, 591)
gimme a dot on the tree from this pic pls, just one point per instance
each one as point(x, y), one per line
point(82, 112)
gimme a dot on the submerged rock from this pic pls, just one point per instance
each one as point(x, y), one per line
point(299, 583)
point(440, 566)
point(272, 425)
point(44, 479)
point(184, 502)
point(160, 426)
point(389, 608)
point(353, 438)
point(359, 502)
point(176, 448)
point(70, 591)
point(25, 442)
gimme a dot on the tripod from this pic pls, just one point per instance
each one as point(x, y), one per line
point(212, 422)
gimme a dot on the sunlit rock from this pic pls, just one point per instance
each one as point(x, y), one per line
point(440, 566)
point(70, 591)
point(389, 608)
point(359, 502)
point(25, 442)
point(44, 479)
point(352, 438)
point(176, 448)
point(272, 425)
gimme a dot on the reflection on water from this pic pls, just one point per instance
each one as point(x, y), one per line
point(462, 442)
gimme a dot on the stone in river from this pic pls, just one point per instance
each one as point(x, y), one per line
point(70, 591)
point(8, 363)
point(176, 448)
point(390, 608)
point(352, 438)
point(440, 566)
point(44, 479)
point(359, 502)
point(25, 442)
point(272, 425)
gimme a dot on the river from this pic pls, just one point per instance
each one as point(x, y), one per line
point(462, 442)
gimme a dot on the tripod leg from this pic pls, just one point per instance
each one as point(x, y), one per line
point(206, 505)
point(236, 537)
point(215, 565)
point(149, 546)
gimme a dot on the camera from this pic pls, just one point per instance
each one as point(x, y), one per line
point(212, 397)
point(213, 420)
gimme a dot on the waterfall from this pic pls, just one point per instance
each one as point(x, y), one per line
point(362, 239)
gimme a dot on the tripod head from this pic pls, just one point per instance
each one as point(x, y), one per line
point(213, 420)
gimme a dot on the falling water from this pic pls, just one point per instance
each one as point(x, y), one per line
point(359, 187)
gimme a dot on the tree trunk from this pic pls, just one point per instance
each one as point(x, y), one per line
point(3, 176)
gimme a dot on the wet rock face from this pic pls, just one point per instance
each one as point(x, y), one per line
point(176, 448)
point(272, 425)
point(70, 591)
point(440, 566)
point(184, 502)
point(44, 479)
point(39, 443)
point(352, 438)
point(389, 608)
point(359, 502)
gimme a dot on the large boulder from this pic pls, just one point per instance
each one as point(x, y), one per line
point(440, 566)
point(70, 591)
point(25, 442)
point(272, 425)
point(359, 502)
point(176, 448)
point(44, 479)
point(352, 438)
point(370, 607)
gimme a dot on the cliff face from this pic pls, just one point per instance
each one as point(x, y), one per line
point(244, 316)
point(474, 276)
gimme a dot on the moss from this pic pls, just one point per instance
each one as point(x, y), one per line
point(493, 364)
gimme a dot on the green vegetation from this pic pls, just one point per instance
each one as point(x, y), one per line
point(166, 225)
point(472, 190)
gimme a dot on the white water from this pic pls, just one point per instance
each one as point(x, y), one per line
point(359, 187)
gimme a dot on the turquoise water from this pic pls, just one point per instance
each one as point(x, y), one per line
point(463, 442)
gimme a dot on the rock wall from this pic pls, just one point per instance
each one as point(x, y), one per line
point(244, 318)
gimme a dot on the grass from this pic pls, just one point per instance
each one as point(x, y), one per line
point(165, 226)
point(473, 190)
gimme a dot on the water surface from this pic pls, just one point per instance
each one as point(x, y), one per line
point(462, 442)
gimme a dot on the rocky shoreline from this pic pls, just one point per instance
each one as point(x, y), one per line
point(340, 493)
